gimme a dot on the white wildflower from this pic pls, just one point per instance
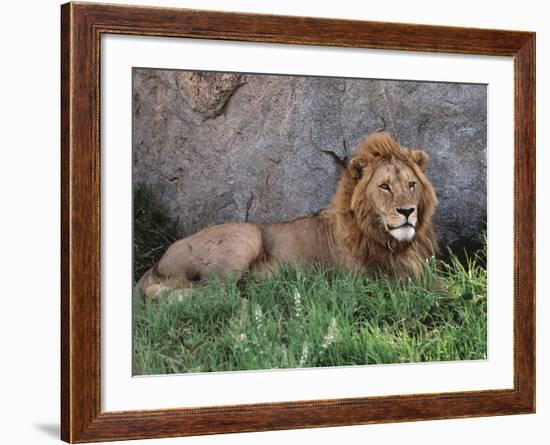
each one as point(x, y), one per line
point(259, 318)
point(242, 337)
point(258, 315)
point(305, 354)
point(331, 336)
point(297, 303)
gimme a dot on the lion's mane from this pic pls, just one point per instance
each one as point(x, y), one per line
point(356, 224)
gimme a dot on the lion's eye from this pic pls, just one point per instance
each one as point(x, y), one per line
point(385, 187)
point(412, 185)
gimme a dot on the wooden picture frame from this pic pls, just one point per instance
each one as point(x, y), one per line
point(82, 26)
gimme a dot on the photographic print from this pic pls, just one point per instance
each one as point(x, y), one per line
point(285, 221)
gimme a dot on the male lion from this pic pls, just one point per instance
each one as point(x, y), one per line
point(379, 221)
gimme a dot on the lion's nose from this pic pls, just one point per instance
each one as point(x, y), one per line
point(405, 211)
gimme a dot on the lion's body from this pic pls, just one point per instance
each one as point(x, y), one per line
point(362, 229)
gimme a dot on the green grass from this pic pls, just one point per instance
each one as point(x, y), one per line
point(316, 317)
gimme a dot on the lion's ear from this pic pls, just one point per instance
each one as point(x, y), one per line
point(421, 158)
point(355, 167)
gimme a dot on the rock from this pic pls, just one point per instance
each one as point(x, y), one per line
point(216, 147)
point(207, 93)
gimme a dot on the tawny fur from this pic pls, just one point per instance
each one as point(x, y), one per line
point(353, 232)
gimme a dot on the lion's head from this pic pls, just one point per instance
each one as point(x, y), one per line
point(384, 198)
point(391, 191)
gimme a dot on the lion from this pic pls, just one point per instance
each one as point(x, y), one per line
point(379, 221)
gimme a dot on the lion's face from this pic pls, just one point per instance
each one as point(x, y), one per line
point(391, 197)
point(394, 191)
